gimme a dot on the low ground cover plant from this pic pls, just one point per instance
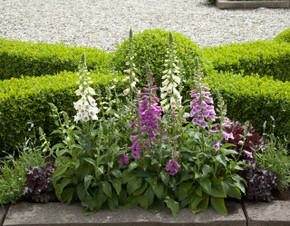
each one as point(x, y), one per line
point(132, 143)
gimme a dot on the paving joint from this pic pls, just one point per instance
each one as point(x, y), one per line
point(6, 208)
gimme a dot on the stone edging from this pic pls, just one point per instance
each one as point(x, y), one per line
point(223, 4)
point(61, 214)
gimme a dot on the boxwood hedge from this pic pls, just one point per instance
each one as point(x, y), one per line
point(284, 36)
point(34, 59)
point(27, 100)
point(255, 98)
point(261, 57)
point(150, 46)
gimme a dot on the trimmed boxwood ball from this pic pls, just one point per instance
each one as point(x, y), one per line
point(150, 46)
point(284, 36)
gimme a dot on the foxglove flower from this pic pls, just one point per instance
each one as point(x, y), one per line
point(170, 96)
point(172, 166)
point(86, 106)
point(202, 105)
point(148, 118)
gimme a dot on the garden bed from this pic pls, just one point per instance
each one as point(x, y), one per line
point(223, 4)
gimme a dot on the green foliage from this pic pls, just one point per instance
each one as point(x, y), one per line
point(277, 159)
point(27, 100)
point(12, 172)
point(254, 99)
point(261, 57)
point(34, 59)
point(284, 36)
point(150, 46)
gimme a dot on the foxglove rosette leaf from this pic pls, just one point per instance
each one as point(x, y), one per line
point(86, 106)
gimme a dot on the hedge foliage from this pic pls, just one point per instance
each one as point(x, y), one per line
point(259, 57)
point(150, 46)
point(284, 36)
point(27, 100)
point(34, 59)
point(255, 98)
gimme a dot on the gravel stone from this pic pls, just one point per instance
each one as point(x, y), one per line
point(105, 23)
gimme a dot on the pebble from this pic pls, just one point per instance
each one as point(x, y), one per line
point(105, 23)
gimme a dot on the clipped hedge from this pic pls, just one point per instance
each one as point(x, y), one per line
point(255, 98)
point(284, 36)
point(259, 57)
point(27, 100)
point(34, 59)
point(150, 46)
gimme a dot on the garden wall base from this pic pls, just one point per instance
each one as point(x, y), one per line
point(223, 4)
point(3, 211)
point(62, 215)
point(268, 214)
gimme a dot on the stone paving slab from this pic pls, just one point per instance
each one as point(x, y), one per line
point(268, 214)
point(3, 211)
point(63, 214)
point(224, 4)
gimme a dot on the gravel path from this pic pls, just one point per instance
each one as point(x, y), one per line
point(104, 23)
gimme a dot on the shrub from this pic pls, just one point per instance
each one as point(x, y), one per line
point(27, 100)
point(261, 57)
point(12, 172)
point(34, 59)
point(277, 159)
point(150, 46)
point(284, 36)
point(255, 98)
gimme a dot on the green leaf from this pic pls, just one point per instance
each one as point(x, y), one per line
point(164, 177)
point(231, 190)
point(158, 190)
point(133, 185)
point(217, 189)
point(107, 188)
point(156, 206)
point(206, 170)
point(219, 205)
point(172, 205)
point(113, 202)
point(132, 166)
point(194, 204)
point(117, 184)
point(188, 186)
point(149, 195)
point(116, 173)
point(238, 182)
point(206, 186)
point(141, 190)
point(59, 187)
point(131, 202)
point(142, 200)
point(198, 191)
point(201, 206)
point(222, 159)
point(89, 160)
point(81, 191)
point(60, 170)
point(87, 181)
point(68, 194)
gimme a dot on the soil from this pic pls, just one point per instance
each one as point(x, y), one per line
point(282, 195)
